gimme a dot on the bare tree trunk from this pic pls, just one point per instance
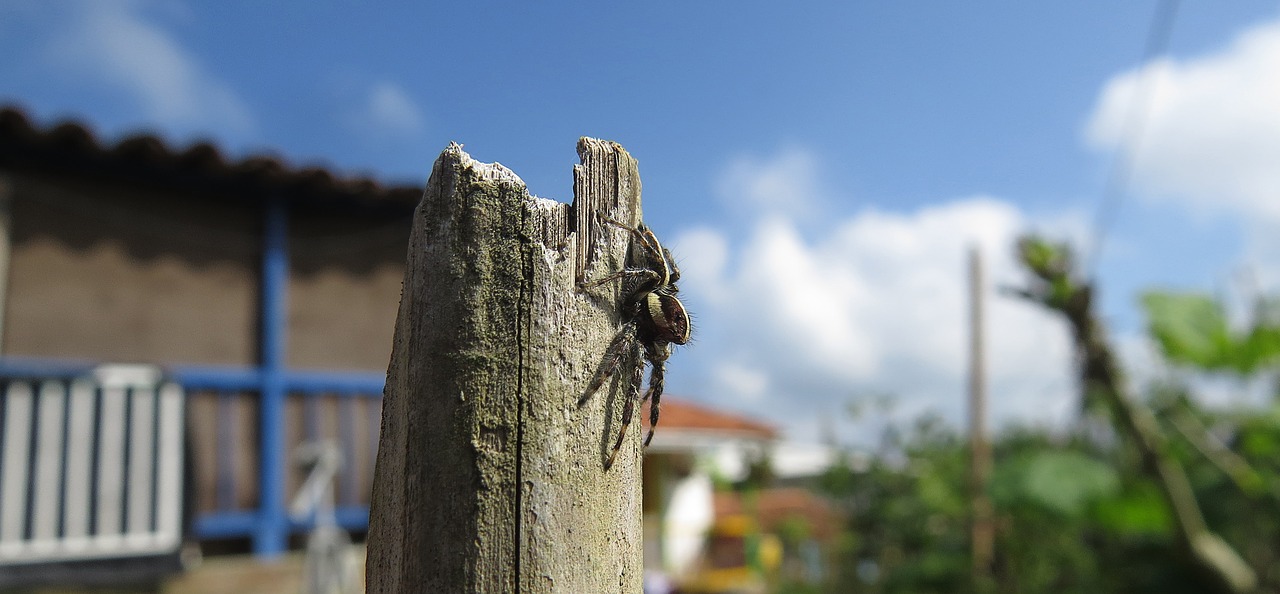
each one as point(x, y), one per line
point(490, 477)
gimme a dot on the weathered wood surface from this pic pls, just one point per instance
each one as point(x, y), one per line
point(490, 477)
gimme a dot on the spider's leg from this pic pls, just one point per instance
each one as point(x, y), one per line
point(672, 270)
point(613, 356)
point(649, 276)
point(654, 253)
point(641, 234)
point(657, 381)
point(633, 394)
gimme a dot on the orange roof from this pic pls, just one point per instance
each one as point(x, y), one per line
point(682, 414)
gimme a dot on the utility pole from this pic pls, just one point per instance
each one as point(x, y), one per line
point(982, 528)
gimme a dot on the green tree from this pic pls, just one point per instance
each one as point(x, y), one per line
point(1150, 492)
point(1056, 284)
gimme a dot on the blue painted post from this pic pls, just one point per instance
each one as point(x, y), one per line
point(273, 523)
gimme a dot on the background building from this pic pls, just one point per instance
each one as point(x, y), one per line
point(267, 292)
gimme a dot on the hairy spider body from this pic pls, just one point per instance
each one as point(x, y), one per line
point(655, 320)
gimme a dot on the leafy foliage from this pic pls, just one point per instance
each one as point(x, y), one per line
point(1084, 511)
point(1192, 329)
point(1061, 482)
point(1071, 517)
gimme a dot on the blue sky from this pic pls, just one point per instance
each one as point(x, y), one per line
point(818, 169)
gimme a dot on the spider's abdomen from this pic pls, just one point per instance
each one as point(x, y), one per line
point(667, 318)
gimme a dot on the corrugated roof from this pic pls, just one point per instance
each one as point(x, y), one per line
point(682, 414)
point(71, 148)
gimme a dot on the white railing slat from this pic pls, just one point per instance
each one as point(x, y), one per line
point(75, 513)
point(17, 440)
point(111, 463)
point(48, 470)
point(169, 460)
point(141, 459)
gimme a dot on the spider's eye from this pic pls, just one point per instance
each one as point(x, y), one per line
point(670, 320)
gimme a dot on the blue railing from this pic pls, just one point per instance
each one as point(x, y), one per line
point(268, 524)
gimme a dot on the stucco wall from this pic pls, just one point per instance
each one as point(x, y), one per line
point(116, 274)
point(344, 288)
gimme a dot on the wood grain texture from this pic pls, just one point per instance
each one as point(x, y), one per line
point(490, 476)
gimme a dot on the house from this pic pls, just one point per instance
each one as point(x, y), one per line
point(267, 292)
point(694, 448)
point(704, 535)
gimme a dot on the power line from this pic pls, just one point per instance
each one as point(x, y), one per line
point(1135, 122)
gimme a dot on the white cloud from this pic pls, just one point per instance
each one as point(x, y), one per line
point(113, 44)
point(741, 381)
point(793, 325)
point(703, 253)
point(783, 183)
point(1211, 137)
point(386, 112)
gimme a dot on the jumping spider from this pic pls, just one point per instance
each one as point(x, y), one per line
point(655, 320)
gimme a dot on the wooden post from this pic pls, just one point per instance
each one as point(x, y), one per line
point(982, 536)
point(490, 477)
